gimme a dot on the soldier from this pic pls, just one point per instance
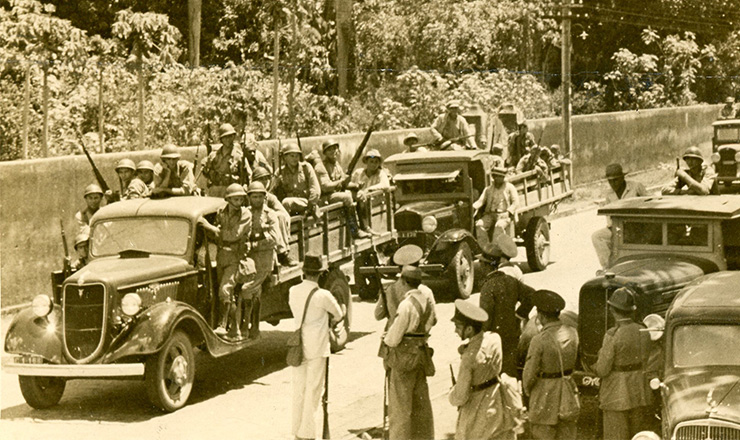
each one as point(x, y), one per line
point(226, 165)
point(620, 189)
point(519, 143)
point(173, 177)
point(451, 129)
point(263, 239)
point(271, 201)
point(371, 178)
point(233, 223)
point(699, 179)
point(477, 392)
point(93, 198)
point(507, 301)
point(624, 395)
point(410, 409)
point(728, 111)
point(411, 142)
point(125, 169)
point(296, 185)
point(82, 244)
point(550, 361)
point(140, 186)
point(497, 156)
point(533, 161)
point(499, 202)
point(321, 310)
point(336, 186)
point(253, 156)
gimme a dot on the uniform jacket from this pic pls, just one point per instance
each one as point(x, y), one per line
point(330, 177)
point(367, 183)
point(407, 318)
point(272, 202)
point(83, 220)
point(706, 177)
point(301, 183)
point(528, 163)
point(183, 178)
point(625, 347)
point(542, 357)
point(223, 170)
point(234, 226)
point(315, 329)
point(263, 233)
point(137, 189)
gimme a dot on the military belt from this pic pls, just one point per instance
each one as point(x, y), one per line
point(557, 375)
point(487, 384)
point(630, 367)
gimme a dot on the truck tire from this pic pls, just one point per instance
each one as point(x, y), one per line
point(41, 392)
point(368, 286)
point(537, 244)
point(462, 272)
point(336, 283)
point(170, 373)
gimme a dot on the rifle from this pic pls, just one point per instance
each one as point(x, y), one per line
point(325, 402)
point(452, 376)
point(98, 176)
point(209, 148)
point(67, 271)
point(358, 152)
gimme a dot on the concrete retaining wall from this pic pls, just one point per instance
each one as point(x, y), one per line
point(36, 194)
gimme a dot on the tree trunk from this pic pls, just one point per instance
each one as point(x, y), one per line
point(194, 14)
point(344, 24)
point(26, 108)
point(101, 149)
point(293, 68)
point(140, 71)
point(275, 81)
point(45, 126)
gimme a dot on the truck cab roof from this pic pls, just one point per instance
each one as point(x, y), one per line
point(712, 296)
point(190, 207)
point(722, 207)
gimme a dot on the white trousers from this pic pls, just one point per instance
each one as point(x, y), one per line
point(602, 240)
point(308, 388)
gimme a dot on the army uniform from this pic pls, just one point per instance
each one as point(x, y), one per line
point(298, 187)
point(624, 394)
point(82, 254)
point(366, 183)
point(705, 176)
point(478, 392)
point(550, 358)
point(532, 161)
point(258, 159)
point(181, 179)
point(222, 167)
point(82, 218)
point(137, 188)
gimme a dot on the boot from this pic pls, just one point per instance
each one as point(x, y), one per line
point(235, 314)
point(224, 321)
point(352, 223)
point(254, 330)
point(285, 260)
point(247, 316)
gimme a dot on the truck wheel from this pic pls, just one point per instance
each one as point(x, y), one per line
point(336, 283)
point(170, 373)
point(41, 392)
point(462, 272)
point(537, 243)
point(368, 286)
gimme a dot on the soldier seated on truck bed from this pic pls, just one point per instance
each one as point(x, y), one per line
point(698, 179)
point(498, 203)
point(296, 184)
point(371, 178)
point(173, 177)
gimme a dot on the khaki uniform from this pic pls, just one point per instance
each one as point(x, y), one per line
point(263, 237)
point(330, 177)
point(542, 379)
point(183, 178)
point(297, 188)
point(222, 170)
point(137, 189)
point(366, 184)
point(478, 392)
point(706, 177)
point(232, 247)
point(602, 238)
point(499, 297)
point(624, 394)
point(83, 220)
point(283, 217)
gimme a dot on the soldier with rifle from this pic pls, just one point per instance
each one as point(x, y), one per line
point(141, 186)
point(698, 179)
point(296, 185)
point(93, 198)
point(253, 156)
point(519, 143)
point(450, 127)
point(371, 178)
point(125, 170)
point(226, 165)
point(173, 177)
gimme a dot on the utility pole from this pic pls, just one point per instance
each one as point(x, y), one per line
point(344, 24)
point(565, 79)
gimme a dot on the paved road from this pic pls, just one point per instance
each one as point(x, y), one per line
point(248, 394)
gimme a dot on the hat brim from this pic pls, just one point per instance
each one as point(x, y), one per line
point(621, 307)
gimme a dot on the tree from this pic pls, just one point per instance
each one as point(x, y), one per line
point(148, 38)
point(194, 13)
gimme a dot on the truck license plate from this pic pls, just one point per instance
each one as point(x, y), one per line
point(406, 234)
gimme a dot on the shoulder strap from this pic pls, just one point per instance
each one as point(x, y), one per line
point(308, 300)
point(423, 315)
point(306, 174)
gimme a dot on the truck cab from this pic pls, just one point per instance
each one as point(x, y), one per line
point(726, 154)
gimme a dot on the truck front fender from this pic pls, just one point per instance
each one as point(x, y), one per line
point(451, 237)
point(40, 336)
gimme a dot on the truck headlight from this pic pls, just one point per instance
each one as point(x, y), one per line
point(715, 157)
point(42, 305)
point(429, 224)
point(131, 304)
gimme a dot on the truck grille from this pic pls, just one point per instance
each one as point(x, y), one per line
point(408, 221)
point(84, 320)
point(727, 166)
point(704, 432)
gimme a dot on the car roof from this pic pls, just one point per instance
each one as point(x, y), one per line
point(725, 206)
point(726, 122)
point(713, 295)
point(437, 156)
point(190, 207)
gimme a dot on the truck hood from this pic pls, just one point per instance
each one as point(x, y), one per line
point(660, 272)
point(124, 272)
point(687, 393)
point(422, 208)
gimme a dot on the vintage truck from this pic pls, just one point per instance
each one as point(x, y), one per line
point(726, 154)
point(660, 245)
point(147, 298)
point(700, 385)
point(434, 195)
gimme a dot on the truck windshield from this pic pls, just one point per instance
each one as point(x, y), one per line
point(431, 186)
point(154, 235)
point(706, 345)
point(728, 134)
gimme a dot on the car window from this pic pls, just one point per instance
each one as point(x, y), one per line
point(650, 233)
point(726, 134)
point(149, 234)
point(687, 234)
point(432, 186)
point(706, 345)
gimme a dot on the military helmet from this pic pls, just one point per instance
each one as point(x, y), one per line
point(692, 152)
point(225, 129)
point(372, 153)
point(126, 163)
point(328, 144)
point(145, 165)
point(235, 190)
point(260, 173)
point(411, 137)
point(169, 151)
point(291, 148)
point(256, 187)
point(82, 237)
point(93, 189)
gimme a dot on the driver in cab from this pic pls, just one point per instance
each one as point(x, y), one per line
point(451, 131)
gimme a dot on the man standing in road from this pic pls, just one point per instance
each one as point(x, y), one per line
point(174, 177)
point(478, 393)
point(262, 175)
point(309, 377)
point(624, 395)
point(410, 409)
point(699, 179)
point(451, 129)
point(499, 203)
point(620, 189)
point(93, 198)
point(225, 165)
point(296, 185)
point(550, 361)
